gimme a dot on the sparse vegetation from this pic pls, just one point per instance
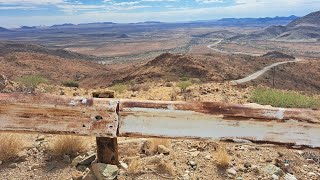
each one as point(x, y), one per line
point(69, 145)
point(10, 146)
point(222, 157)
point(70, 83)
point(151, 146)
point(287, 99)
point(135, 166)
point(119, 88)
point(32, 81)
point(138, 87)
point(165, 167)
point(184, 78)
point(183, 85)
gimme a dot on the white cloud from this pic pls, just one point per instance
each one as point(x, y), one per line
point(209, 1)
point(159, 0)
point(125, 3)
point(111, 12)
point(35, 2)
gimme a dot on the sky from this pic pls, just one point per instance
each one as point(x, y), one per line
point(16, 13)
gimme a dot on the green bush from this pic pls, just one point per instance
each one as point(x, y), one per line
point(120, 88)
point(70, 83)
point(287, 99)
point(184, 78)
point(32, 81)
point(183, 85)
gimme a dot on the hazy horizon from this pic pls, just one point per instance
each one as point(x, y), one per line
point(16, 13)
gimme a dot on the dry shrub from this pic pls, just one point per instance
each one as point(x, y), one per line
point(165, 167)
point(139, 87)
point(69, 145)
point(151, 146)
point(136, 166)
point(10, 146)
point(222, 157)
point(173, 94)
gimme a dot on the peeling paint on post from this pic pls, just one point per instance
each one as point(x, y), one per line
point(107, 148)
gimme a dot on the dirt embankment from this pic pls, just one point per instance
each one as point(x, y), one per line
point(301, 76)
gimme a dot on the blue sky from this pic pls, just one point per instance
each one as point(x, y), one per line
point(15, 13)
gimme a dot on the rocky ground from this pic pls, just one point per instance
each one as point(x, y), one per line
point(165, 159)
point(160, 158)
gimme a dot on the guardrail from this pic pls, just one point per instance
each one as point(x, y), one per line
point(108, 119)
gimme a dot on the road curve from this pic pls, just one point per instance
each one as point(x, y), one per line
point(254, 75)
point(214, 47)
point(262, 71)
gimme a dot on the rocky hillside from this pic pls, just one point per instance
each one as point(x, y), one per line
point(279, 55)
point(4, 29)
point(306, 28)
point(53, 68)
point(210, 67)
point(10, 47)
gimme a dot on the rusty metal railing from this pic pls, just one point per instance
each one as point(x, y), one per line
point(112, 118)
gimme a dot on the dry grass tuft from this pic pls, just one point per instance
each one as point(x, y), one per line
point(222, 157)
point(69, 145)
point(10, 146)
point(165, 167)
point(151, 146)
point(136, 166)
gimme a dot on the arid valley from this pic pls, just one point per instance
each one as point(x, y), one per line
point(250, 62)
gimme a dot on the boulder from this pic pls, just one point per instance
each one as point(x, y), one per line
point(163, 150)
point(105, 171)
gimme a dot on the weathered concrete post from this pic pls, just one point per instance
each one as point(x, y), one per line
point(107, 148)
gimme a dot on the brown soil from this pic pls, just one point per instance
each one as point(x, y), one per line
point(207, 68)
point(54, 68)
point(247, 159)
point(301, 76)
point(171, 67)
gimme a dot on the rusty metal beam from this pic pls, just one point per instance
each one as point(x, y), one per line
point(58, 115)
point(114, 118)
point(210, 120)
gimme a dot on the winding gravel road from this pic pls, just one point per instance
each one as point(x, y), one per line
point(254, 75)
point(262, 71)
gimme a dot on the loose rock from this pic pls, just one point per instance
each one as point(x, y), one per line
point(105, 171)
point(289, 177)
point(272, 169)
point(35, 166)
point(76, 160)
point(163, 150)
point(275, 177)
point(13, 165)
point(232, 172)
point(88, 159)
point(123, 165)
point(66, 158)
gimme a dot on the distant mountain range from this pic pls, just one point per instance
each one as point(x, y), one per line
point(306, 28)
point(257, 21)
point(4, 29)
point(264, 22)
